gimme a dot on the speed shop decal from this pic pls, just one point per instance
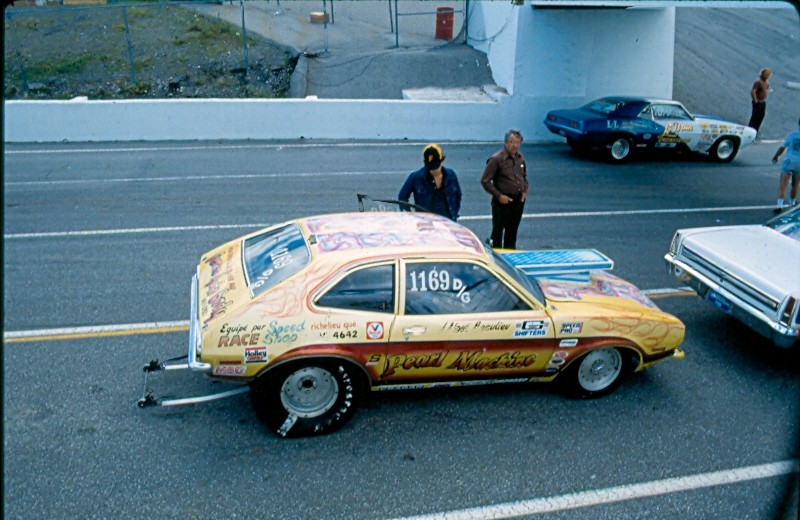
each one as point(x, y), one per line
point(531, 328)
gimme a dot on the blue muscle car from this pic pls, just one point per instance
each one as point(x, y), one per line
point(620, 125)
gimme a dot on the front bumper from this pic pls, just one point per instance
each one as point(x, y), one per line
point(781, 335)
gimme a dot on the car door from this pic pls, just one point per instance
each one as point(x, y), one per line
point(680, 127)
point(460, 321)
point(353, 314)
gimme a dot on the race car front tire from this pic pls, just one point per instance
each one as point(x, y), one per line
point(597, 373)
point(725, 149)
point(306, 398)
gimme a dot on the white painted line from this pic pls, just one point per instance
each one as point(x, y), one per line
point(617, 494)
point(131, 231)
point(101, 232)
point(274, 146)
point(668, 291)
point(197, 178)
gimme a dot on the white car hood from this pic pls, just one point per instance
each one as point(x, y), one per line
point(756, 254)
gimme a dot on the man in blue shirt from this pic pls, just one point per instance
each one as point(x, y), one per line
point(789, 168)
point(434, 187)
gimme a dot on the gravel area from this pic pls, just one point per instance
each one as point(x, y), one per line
point(142, 51)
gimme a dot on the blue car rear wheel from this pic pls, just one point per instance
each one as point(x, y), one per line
point(620, 148)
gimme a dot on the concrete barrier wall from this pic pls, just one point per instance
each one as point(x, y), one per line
point(189, 119)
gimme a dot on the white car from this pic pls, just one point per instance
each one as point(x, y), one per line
point(751, 272)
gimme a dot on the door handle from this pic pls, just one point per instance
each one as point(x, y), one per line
point(413, 331)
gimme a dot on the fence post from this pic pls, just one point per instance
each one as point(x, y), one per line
point(130, 45)
point(244, 42)
point(396, 27)
point(466, 23)
point(22, 74)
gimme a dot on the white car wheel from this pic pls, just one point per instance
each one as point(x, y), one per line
point(725, 149)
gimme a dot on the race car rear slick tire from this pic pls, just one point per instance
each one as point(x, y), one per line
point(724, 150)
point(597, 373)
point(620, 148)
point(306, 398)
point(576, 146)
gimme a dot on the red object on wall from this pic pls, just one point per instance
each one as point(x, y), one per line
point(444, 23)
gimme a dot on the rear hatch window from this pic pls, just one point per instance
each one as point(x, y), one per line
point(274, 256)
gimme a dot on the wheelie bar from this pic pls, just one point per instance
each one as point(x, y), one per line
point(148, 399)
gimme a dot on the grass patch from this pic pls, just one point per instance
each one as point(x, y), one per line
point(62, 65)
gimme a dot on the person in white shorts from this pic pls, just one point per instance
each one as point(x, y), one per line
point(789, 168)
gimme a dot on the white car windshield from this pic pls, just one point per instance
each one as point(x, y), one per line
point(787, 224)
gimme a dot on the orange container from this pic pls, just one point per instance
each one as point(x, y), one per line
point(444, 23)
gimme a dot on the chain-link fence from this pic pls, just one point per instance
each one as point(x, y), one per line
point(106, 49)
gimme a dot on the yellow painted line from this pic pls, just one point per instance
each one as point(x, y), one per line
point(95, 332)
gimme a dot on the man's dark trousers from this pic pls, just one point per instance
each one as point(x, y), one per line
point(505, 223)
point(759, 110)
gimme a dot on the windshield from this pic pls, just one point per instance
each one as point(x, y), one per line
point(787, 223)
point(527, 282)
point(274, 256)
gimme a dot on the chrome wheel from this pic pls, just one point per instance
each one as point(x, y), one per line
point(620, 149)
point(309, 392)
point(725, 149)
point(599, 369)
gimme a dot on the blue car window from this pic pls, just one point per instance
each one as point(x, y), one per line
point(604, 106)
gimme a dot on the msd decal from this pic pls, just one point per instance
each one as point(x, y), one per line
point(375, 329)
point(229, 370)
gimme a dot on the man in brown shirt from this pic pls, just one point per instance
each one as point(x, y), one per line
point(505, 178)
point(758, 95)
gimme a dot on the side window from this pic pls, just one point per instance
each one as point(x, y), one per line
point(659, 111)
point(370, 289)
point(456, 288)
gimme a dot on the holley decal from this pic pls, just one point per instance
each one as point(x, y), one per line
point(255, 355)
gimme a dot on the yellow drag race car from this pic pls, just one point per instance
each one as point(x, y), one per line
point(313, 313)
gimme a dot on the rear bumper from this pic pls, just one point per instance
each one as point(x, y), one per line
point(781, 335)
point(194, 335)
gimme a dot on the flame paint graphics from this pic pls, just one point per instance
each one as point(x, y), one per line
point(342, 234)
point(646, 332)
point(287, 298)
point(609, 286)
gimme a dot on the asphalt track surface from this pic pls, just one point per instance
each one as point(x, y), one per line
point(106, 236)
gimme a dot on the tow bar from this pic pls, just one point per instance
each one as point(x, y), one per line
point(148, 399)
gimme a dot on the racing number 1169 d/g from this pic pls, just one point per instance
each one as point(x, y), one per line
point(436, 280)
